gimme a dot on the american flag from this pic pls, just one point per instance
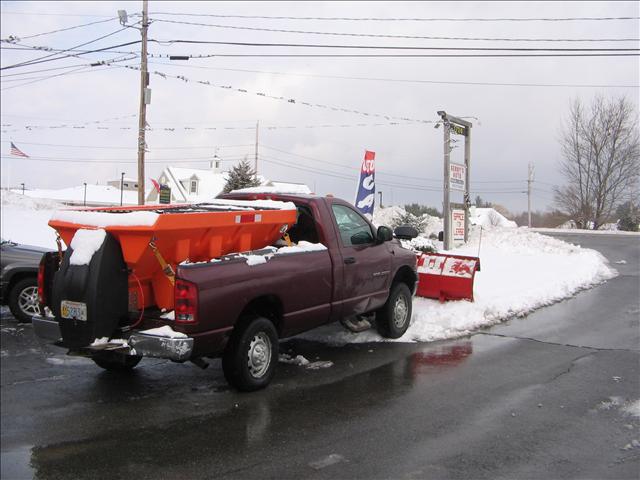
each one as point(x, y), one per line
point(17, 152)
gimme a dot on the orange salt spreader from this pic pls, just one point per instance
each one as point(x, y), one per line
point(193, 232)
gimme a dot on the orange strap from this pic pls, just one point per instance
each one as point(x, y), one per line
point(166, 268)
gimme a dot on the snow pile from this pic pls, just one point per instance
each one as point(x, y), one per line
point(26, 202)
point(521, 271)
point(387, 216)
point(25, 220)
point(633, 408)
point(106, 219)
point(283, 189)
point(488, 217)
point(302, 247)
point(165, 331)
point(84, 244)
point(93, 195)
point(255, 204)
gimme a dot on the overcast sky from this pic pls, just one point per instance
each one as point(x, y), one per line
point(95, 108)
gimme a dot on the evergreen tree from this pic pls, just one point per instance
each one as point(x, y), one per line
point(241, 176)
point(629, 217)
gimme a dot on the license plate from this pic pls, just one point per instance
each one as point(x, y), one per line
point(73, 310)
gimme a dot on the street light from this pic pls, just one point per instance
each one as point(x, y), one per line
point(121, 186)
point(84, 201)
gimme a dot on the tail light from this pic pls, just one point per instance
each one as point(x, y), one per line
point(186, 302)
point(41, 295)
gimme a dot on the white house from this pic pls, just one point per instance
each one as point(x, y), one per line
point(191, 185)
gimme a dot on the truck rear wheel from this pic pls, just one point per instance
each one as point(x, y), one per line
point(392, 320)
point(116, 362)
point(250, 358)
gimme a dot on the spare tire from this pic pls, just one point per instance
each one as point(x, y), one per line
point(99, 289)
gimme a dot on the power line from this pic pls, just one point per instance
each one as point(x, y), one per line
point(401, 19)
point(394, 47)
point(108, 147)
point(66, 29)
point(347, 167)
point(379, 55)
point(47, 58)
point(83, 69)
point(352, 34)
point(281, 98)
point(394, 80)
point(43, 70)
point(20, 47)
point(4, 12)
point(110, 161)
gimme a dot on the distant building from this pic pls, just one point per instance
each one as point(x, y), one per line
point(127, 184)
point(191, 185)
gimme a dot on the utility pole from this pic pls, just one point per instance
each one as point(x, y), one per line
point(255, 169)
point(145, 98)
point(529, 182)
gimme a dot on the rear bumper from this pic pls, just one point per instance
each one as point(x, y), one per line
point(176, 349)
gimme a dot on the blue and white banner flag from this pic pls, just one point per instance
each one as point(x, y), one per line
point(365, 198)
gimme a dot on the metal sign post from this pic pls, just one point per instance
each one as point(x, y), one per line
point(456, 177)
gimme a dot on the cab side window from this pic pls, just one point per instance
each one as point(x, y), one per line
point(354, 230)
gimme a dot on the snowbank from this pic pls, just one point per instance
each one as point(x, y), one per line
point(25, 220)
point(521, 271)
point(488, 217)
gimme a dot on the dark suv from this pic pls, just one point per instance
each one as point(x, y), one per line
point(19, 279)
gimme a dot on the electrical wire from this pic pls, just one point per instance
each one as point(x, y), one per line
point(43, 70)
point(119, 161)
point(86, 69)
point(47, 58)
point(378, 55)
point(68, 28)
point(394, 47)
point(128, 148)
point(349, 34)
point(394, 80)
point(400, 19)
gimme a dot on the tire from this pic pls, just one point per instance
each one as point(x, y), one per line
point(116, 362)
point(393, 319)
point(23, 299)
point(250, 359)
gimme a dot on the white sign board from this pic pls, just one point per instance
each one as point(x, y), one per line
point(457, 176)
point(457, 225)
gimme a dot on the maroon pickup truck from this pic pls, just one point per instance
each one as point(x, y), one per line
point(338, 267)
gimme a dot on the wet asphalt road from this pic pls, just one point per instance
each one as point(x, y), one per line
point(538, 397)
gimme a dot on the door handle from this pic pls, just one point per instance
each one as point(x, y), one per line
point(349, 260)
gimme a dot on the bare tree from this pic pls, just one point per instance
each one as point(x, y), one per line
point(600, 164)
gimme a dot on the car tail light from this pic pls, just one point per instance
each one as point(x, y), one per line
point(186, 302)
point(41, 295)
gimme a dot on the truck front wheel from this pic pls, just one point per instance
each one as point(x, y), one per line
point(251, 355)
point(392, 320)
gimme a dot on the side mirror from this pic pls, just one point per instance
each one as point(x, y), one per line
point(384, 234)
point(405, 232)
